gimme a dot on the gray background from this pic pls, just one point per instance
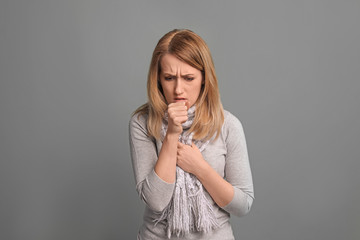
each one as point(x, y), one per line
point(73, 71)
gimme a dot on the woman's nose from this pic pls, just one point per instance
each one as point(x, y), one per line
point(178, 87)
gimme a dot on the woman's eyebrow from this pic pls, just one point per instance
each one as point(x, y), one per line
point(170, 74)
point(185, 75)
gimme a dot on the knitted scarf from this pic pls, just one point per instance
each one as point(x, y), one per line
point(189, 209)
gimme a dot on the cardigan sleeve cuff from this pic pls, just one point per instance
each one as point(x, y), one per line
point(160, 184)
point(157, 193)
point(240, 204)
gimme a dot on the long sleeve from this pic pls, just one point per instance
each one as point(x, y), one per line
point(155, 192)
point(237, 167)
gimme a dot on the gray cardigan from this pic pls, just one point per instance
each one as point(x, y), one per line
point(227, 155)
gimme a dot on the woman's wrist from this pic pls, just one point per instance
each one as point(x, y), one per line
point(202, 171)
point(165, 166)
point(172, 136)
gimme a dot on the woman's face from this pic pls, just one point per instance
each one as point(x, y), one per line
point(179, 80)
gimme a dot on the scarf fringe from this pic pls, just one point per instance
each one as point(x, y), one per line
point(189, 209)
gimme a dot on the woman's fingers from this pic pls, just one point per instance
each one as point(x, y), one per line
point(180, 120)
point(177, 109)
point(193, 145)
point(180, 145)
point(179, 106)
point(172, 113)
point(177, 113)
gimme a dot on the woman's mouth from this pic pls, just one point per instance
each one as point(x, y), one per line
point(180, 99)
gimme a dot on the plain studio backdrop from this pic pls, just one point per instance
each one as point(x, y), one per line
point(72, 72)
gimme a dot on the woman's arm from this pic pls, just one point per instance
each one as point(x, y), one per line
point(155, 175)
point(234, 193)
point(191, 160)
point(221, 191)
point(237, 167)
point(154, 191)
point(166, 164)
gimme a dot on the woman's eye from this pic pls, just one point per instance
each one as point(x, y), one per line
point(168, 78)
point(189, 79)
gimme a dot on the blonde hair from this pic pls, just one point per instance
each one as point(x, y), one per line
point(191, 49)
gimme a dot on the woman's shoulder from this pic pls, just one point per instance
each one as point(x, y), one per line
point(138, 119)
point(140, 115)
point(231, 122)
point(230, 118)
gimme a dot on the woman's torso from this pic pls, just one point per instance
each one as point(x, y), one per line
point(215, 155)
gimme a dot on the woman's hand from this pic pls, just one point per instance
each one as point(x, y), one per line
point(177, 115)
point(189, 158)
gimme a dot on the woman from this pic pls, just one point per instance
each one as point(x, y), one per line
point(189, 155)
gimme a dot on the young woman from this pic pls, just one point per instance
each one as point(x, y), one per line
point(189, 156)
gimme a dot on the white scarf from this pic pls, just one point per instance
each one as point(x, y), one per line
point(189, 209)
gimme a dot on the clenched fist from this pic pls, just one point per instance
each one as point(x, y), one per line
point(177, 115)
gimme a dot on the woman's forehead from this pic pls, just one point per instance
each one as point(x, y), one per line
point(172, 65)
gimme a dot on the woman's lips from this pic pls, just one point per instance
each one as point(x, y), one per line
point(180, 99)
